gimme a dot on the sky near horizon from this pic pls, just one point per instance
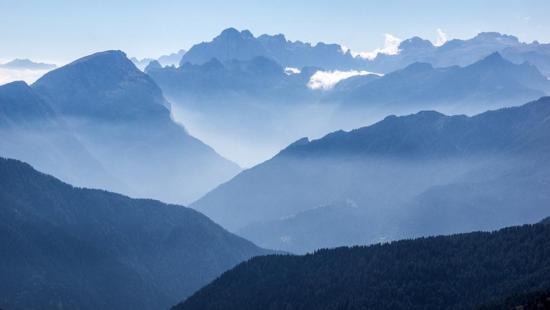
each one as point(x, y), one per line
point(62, 30)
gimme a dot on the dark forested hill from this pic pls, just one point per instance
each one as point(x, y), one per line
point(71, 248)
point(448, 272)
point(529, 301)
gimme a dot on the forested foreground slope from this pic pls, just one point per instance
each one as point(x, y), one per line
point(461, 271)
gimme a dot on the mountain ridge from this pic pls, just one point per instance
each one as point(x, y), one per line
point(91, 249)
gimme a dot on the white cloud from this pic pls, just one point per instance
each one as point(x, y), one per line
point(391, 47)
point(344, 49)
point(11, 75)
point(441, 37)
point(326, 80)
point(291, 70)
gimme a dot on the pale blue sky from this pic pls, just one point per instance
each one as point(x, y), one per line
point(62, 30)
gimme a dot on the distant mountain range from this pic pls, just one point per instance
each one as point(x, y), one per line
point(26, 64)
point(74, 248)
point(464, 52)
point(490, 83)
point(461, 150)
point(462, 271)
point(469, 173)
point(243, 45)
point(257, 100)
point(215, 80)
point(164, 60)
point(118, 117)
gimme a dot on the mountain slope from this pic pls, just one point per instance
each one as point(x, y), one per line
point(31, 131)
point(67, 247)
point(121, 116)
point(447, 272)
point(418, 162)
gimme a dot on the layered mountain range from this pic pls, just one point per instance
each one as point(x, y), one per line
point(465, 148)
point(257, 94)
point(414, 175)
point(243, 45)
point(490, 83)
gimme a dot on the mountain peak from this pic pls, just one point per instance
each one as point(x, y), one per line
point(418, 67)
point(15, 86)
point(100, 84)
point(415, 43)
point(100, 70)
point(493, 59)
point(496, 36)
point(278, 38)
point(429, 115)
point(153, 65)
point(105, 56)
point(232, 34)
point(296, 144)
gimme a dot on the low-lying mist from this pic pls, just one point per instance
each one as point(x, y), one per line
point(249, 131)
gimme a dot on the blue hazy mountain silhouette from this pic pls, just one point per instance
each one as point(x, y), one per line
point(242, 45)
point(31, 131)
point(172, 59)
point(121, 116)
point(464, 52)
point(489, 83)
point(90, 249)
point(255, 106)
point(258, 76)
point(26, 64)
point(446, 156)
